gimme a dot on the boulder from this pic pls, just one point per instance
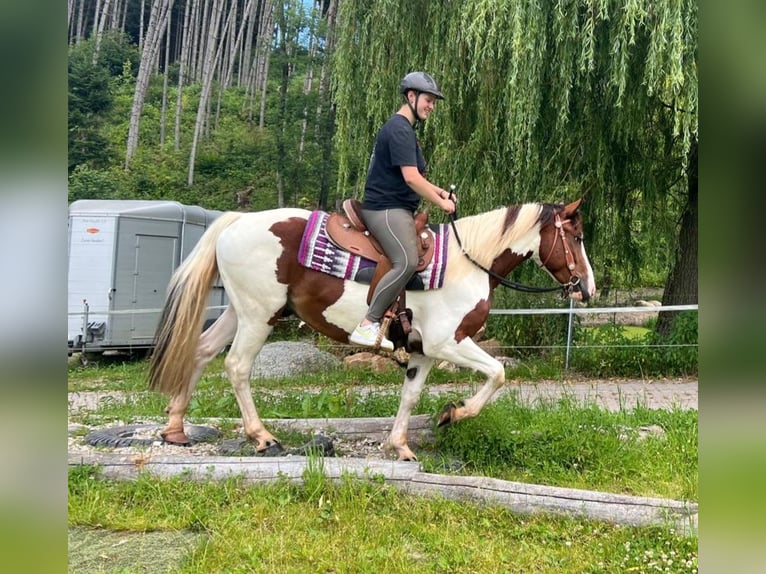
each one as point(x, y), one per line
point(289, 358)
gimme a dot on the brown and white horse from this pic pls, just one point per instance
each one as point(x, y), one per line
point(256, 257)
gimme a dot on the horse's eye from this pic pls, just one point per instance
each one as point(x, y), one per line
point(578, 238)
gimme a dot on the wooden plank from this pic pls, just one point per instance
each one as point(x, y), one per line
point(251, 469)
point(532, 498)
point(407, 477)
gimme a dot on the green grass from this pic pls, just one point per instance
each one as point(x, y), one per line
point(120, 374)
point(562, 443)
point(630, 332)
point(367, 526)
point(361, 525)
point(567, 443)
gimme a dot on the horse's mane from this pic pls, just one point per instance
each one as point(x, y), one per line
point(486, 235)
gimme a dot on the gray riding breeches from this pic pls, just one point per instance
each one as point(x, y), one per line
point(395, 231)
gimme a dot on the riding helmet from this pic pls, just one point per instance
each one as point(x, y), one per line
point(420, 82)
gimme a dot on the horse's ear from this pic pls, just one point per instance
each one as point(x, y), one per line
point(571, 209)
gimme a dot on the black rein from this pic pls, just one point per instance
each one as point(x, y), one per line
point(502, 280)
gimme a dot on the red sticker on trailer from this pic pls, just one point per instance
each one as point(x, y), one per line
point(92, 230)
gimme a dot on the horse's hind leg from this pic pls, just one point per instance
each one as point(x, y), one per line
point(248, 341)
point(418, 368)
point(215, 338)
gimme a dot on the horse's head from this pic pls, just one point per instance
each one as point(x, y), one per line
point(562, 252)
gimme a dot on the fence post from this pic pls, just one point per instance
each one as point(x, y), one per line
point(85, 309)
point(569, 333)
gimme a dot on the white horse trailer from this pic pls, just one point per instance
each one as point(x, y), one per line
point(121, 256)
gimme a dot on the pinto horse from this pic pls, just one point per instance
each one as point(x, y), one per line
point(256, 257)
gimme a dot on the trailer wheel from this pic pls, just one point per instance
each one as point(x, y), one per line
point(146, 435)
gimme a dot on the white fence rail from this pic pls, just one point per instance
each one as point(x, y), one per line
point(571, 311)
point(593, 310)
point(562, 311)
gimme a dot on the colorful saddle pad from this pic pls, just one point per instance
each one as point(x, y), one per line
point(318, 252)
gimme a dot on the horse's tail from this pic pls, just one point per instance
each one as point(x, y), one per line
point(180, 326)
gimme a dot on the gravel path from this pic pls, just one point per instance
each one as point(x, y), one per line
point(609, 394)
point(290, 359)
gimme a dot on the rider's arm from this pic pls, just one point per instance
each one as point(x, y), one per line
point(426, 189)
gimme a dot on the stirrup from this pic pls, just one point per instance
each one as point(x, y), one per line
point(383, 331)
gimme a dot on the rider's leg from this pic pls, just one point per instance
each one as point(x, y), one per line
point(395, 231)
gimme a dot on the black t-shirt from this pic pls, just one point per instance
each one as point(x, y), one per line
point(395, 146)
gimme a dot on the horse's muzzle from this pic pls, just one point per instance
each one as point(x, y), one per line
point(577, 292)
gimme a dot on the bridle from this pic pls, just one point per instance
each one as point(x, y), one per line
point(574, 280)
point(567, 288)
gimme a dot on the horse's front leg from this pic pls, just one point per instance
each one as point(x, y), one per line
point(468, 354)
point(418, 368)
point(218, 335)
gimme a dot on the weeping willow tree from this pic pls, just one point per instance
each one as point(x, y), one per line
point(546, 101)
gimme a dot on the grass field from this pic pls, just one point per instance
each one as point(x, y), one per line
point(358, 525)
point(355, 527)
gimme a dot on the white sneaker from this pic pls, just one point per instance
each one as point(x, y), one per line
point(367, 336)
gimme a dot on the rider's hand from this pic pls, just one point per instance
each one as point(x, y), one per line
point(448, 203)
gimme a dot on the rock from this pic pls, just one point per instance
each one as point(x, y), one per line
point(289, 358)
point(377, 363)
point(447, 366)
point(491, 346)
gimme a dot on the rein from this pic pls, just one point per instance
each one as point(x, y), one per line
point(574, 280)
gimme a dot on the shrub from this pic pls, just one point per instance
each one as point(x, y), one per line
point(528, 335)
point(607, 351)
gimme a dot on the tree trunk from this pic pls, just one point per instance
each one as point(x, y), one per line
point(212, 53)
point(141, 26)
point(201, 38)
point(246, 54)
point(164, 109)
point(95, 19)
point(80, 22)
point(124, 15)
point(233, 43)
point(101, 19)
point(325, 112)
point(264, 40)
point(193, 41)
point(281, 132)
point(682, 285)
point(308, 84)
point(185, 40)
point(160, 11)
point(114, 20)
point(70, 8)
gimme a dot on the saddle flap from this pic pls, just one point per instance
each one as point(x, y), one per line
point(342, 232)
point(346, 233)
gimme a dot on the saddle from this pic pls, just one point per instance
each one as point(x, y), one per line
point(348, 231)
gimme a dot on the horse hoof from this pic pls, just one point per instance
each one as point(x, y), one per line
point(445, 416)
point(448, 414)
point(177, 438)
point(270, 448)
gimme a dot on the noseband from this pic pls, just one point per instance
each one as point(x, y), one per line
point(574, 280)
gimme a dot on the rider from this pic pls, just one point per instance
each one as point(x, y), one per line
point(395, 184)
